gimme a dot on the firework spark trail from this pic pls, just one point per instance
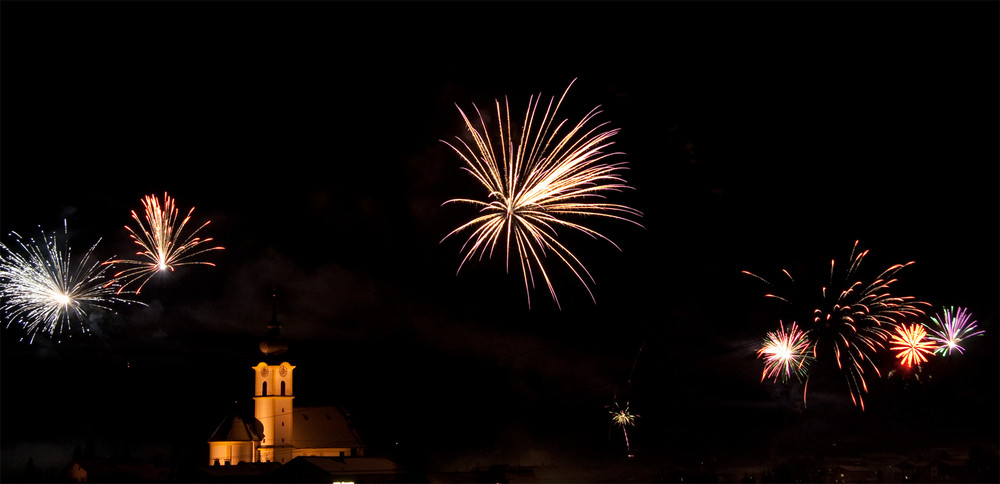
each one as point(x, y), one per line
point(45, 292)
point(159, 235)
point(634, 363)
point(785, 353)
point(911, 344)
point(852, 319)
point(952, 327)
point(531, 185)
point(856, 324)
point(622, 418)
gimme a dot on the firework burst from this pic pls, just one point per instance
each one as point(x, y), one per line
point(911, 344)
point(851, 320)
point(534, 183)
point(785, 353)
point(162, 242)
point(44, 291)
point(952, 327)
point(624, 419)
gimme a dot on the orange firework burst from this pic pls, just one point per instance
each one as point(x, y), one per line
point(162, 241)
point(533, 183)
point(911, 344)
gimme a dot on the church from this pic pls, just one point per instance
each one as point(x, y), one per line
point(279, 431)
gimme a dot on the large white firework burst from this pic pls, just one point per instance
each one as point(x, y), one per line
point(536, 183)
point(45, 291)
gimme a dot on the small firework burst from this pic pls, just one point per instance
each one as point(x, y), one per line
point(623, 418)
point(45, 291)
point(911, 344)
point(162, 242)
point(952, 328)
point(785, 353)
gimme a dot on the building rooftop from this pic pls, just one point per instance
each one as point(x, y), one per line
point(236, 428)
point(326, 426)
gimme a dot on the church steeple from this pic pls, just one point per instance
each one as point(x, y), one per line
point(270, 436)
point(273, 343)
point(273, 395)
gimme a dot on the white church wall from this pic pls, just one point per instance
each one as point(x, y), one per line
point(232, 452)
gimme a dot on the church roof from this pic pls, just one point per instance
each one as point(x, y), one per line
point(234, 428)
point(315, 427)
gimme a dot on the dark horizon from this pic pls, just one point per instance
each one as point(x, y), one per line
point(759, 136)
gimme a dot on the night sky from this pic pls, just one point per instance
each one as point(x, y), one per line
point(759, 137)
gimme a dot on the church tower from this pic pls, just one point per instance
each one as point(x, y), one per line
point(278, 432)
point(273, 395)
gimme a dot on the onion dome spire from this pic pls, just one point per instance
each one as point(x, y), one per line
point(272, 343)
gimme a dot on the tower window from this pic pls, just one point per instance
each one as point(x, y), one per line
point(282, 387)
point(263, 388)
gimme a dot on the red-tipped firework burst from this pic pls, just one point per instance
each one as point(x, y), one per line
point(162, 241)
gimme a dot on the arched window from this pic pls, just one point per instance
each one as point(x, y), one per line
point(263, 389)
point(282, 387)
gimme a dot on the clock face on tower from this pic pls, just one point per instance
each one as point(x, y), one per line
point(263, 372)
point(283, 371)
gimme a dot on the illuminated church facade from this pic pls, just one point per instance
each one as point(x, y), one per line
point(279, 431)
